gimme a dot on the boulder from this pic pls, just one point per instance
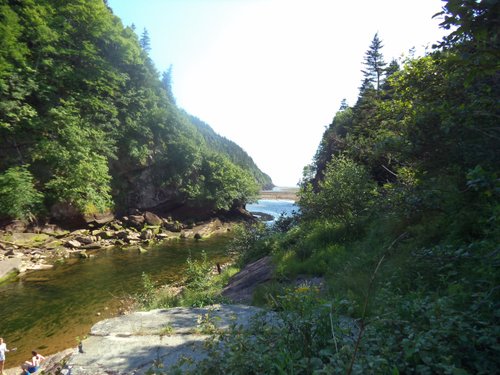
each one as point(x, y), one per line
point(122, 235)
point(107, 235)
point(13, 253)
point(9, 266)
point(73, 243)
point(173, 227)
point(162, 236)
point(152, 219)
point(116, 225)
point(86, 240)
point(136, 221)
point(147, 234)
point(242, 285)
point(16, 226)
point(132, 236)
point(99, 219)
point(67, 215)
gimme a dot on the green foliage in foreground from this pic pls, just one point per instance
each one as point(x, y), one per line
point(401, 220)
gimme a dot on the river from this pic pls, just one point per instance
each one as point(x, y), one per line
point(48, 310)
point(272, 207)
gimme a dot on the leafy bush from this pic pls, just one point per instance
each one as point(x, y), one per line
point(345, 193)
point(19, 198)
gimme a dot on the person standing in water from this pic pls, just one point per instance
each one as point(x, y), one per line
point(30, 367)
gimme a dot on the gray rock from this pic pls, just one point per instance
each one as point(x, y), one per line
point(136, 221)
point(106, 235)
point(116, 225)
point(13, 253)
point(85, 240)
point(9, 265)
point(73, 243)
point(147, 234)
point(16, 226)
point(133, 236)
point(130, 344)
point(122, 235)
point(99, 219)
point(242, 285)
point(152, 219)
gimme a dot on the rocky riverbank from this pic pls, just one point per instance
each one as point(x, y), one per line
point(147, 340)
point(25, 248)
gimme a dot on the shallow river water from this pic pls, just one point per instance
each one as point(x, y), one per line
point(48, 310)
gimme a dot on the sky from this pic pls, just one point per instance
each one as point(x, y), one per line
point(271, 74)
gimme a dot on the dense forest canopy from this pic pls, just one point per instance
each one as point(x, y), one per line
point(400, 216)
point(88, 126)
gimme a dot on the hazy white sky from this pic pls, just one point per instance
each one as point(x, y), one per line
point(270, 74)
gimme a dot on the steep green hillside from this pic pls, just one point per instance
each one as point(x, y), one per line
point(237, 155)
point(87, 126)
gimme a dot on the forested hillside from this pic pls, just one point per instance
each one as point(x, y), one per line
point(400, 217)
point(88, 126)
point(237, 155)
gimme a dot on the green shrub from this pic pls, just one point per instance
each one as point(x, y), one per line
point(19, 198)
point(344, 195)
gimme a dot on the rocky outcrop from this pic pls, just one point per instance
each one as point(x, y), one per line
point(242, 285)
point(134, 343)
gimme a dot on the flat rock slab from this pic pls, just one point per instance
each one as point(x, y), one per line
point(133, 343)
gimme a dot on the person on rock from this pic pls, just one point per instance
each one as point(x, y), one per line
point(30, 367)
point(3, 350)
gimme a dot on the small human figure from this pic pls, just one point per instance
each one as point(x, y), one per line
point(30, 367)
point(3, 350)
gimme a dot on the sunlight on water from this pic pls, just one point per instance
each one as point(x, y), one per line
point(273, 207)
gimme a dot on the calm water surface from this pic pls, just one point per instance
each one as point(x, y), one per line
point(47, 310)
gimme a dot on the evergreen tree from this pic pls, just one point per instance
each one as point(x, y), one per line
point(167, 84)
point(145, 41)
point(374, 63)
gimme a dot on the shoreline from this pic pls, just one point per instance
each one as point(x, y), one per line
point(210, 229)
point(23, 251)
point(285, 194)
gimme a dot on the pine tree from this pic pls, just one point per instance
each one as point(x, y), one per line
point(167, 84)
point(374, 63)
point(145, 41)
